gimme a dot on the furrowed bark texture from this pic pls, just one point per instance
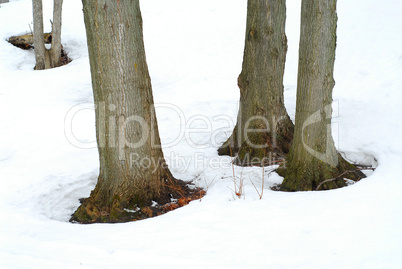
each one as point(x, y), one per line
point(261, 87)
point(313, 157)
point(132, 166)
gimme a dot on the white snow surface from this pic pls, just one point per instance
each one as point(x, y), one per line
point(48, 159)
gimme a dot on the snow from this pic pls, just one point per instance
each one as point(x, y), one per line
point(48, 159)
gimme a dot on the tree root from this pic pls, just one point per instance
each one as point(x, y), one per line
point(345, 173)
point(177, 194)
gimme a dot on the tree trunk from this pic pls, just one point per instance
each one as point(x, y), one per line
point(46, 58)
point(41, 55)
point(55, 51)
point(313, 157)
point(132, 166)
point(264, 130)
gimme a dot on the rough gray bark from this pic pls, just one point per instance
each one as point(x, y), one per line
point(40, 50)
point(47, 58)
point(313, 157)
point(264, 129)
point(132, 166)
point(55, 51)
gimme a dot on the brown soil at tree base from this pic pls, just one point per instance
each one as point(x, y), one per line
point(318, 176)
point(261, 149)
point(177, 194)
point(64, 57)
point(28, 46)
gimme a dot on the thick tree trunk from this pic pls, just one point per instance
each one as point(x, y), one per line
point(264, 129)
point(313, 157)
point(132, 167)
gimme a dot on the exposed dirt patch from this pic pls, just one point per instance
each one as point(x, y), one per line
point(178, 194)
point(64, 57)
point(25, 42)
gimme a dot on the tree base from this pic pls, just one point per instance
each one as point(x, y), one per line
point(25, 42)
point(230, 147)
point(259, 150)
point(251, 156)
point(176, 195)
point(227, 149)
point(318, 176)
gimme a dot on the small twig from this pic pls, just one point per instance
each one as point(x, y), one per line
point(344, 173)
point(263, 181)
point(262, 184)
point(207, 185)
point(176, 187)
point(363, 167)
point(256, 189)
point(355, 163)
point(231, 155)
point(238, 189)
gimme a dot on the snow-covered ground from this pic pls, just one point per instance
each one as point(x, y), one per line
point(48, 159)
